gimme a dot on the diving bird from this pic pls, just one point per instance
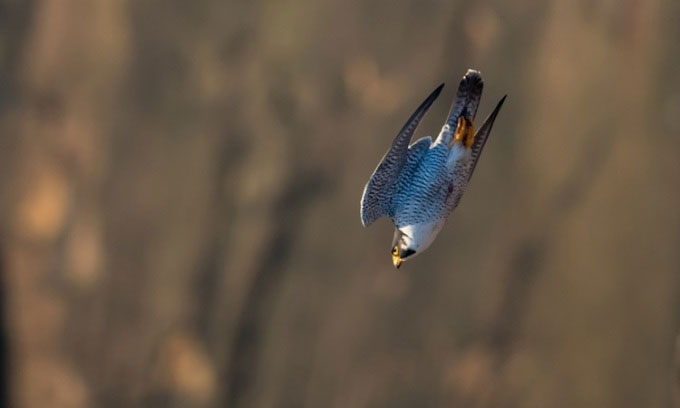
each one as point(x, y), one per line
point(418, 185)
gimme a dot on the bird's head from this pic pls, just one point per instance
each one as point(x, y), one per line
point(412, 240)
point(402, 248)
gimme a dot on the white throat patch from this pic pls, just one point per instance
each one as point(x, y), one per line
point(420, 236)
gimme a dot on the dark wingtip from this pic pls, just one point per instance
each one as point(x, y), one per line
point(410, 126)
point(483, 134)
point(437, 91)
point(488, 123)
point(430, 99)
point(499, 105)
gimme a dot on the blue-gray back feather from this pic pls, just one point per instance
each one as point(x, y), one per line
point(434, 189)
point(416, 155)
point(376, 199)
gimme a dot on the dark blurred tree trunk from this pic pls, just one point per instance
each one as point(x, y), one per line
point(15, 19)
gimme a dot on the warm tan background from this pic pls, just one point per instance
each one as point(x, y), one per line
point(180, 205)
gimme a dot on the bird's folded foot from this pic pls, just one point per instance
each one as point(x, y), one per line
point(465, 131)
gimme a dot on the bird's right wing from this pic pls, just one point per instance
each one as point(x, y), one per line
point(482, 134)
point(376, 199)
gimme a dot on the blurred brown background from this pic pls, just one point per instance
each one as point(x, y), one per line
point(180, 205)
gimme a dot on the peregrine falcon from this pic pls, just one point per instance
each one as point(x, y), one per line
point(419, 185)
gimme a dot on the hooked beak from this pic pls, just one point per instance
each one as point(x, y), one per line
point(396, 260)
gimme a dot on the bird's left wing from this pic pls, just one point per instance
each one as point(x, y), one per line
point(376, 199)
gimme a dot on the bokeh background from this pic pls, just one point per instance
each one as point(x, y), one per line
point(179, 209)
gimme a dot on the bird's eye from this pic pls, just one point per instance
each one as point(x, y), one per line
point(408, 252)
point(395, 250)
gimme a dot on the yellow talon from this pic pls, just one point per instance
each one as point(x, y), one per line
point(470, 135)
point(460, 130)
point(465, 131)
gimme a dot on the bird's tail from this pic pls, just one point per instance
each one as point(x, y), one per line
point(459, 125)
point(467, 99)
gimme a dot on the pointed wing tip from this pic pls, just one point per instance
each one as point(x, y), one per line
point(499, 105)
point(483, 133)
point(420, 112)
point(435, 94)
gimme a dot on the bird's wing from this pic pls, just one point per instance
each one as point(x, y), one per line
point(375, 200)
point(482, 134)
point(416, 152)
point(414, 156)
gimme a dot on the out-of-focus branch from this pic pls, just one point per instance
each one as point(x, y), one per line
point(288, 211)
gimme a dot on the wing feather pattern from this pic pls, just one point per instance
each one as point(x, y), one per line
point(376, 200)
point(415, 154)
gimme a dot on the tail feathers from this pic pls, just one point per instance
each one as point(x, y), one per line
point(467, 99)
